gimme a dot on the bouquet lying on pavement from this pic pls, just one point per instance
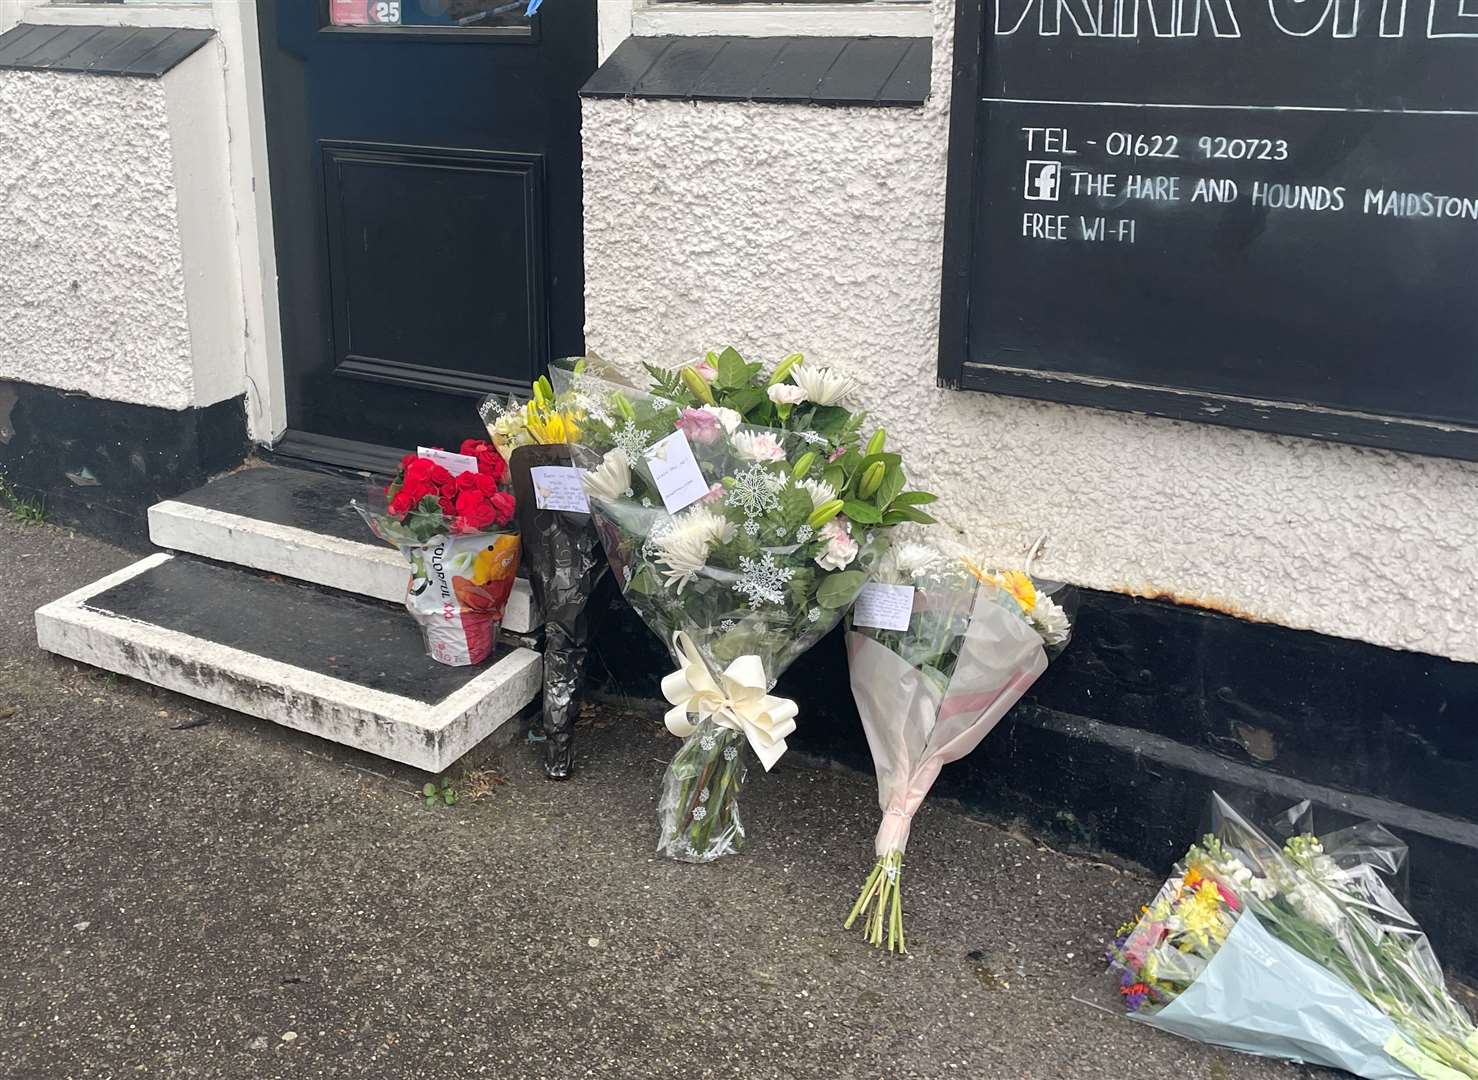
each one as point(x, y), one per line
point(446, 512)
point(562, 553)
point(736, 508)
point(1297, 950)
point(938, 651)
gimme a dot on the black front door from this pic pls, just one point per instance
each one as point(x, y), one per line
point(425, 163)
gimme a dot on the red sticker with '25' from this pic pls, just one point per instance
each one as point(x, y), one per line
point(364, 12)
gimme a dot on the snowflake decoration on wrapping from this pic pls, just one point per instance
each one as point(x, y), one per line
point(495, 408)
point(730, 753)
point(653, 543)
point(804, 533)
point(662, 402)
point(727, 625)
point(646, 503)
point(752, 527)
point(707, 743)
point(756, 491)
point(699, 813)
point(813, 438)
point(814, 614)
point(631, 440)
point(761, 581)
point(589, 398)
point(703, 795)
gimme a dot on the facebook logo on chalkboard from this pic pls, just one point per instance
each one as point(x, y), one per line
point(1043, 180)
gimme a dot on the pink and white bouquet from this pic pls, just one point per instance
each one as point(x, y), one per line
point(938, 652)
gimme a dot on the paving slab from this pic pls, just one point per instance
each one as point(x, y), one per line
point(191, 893)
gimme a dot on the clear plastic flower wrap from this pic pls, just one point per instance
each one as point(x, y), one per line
point(450, 528)
point(740, 543)
point(1297, 949)
point(939, 652)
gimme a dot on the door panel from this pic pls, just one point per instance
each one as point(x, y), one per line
point(419, 295)
point(426, 203)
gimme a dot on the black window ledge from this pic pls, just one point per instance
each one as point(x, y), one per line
point(863, 71)
point(138, 52)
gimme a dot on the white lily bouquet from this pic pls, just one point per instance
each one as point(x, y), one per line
point(939, 651)
point(737, 509)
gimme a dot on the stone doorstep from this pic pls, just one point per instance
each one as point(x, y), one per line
point(235, 520)
point(439, 714)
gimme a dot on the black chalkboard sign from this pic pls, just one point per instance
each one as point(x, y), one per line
point(1252, 212)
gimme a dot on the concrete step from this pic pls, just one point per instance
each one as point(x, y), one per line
point(299, 524)
point(344, 668)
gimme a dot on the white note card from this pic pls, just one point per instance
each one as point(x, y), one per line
point(885, 607)
point(675, 471)
point(559, 487)
point(456, 464)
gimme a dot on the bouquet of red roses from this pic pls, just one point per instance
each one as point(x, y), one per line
point(447, 514)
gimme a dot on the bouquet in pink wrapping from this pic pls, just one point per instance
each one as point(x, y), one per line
point(938, 651)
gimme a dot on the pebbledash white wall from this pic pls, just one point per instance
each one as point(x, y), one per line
point(777, 228)
point(110, 188)
point(136, 259)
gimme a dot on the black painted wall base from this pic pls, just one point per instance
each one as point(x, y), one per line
point(101, 464)
point(1154, 705)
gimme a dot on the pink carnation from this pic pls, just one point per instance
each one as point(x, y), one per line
point(699, 426)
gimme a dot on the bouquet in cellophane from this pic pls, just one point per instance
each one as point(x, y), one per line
point(1298, 950)
point(447, 514)
point(561, 552)
point(737, 509)
point(938, 652)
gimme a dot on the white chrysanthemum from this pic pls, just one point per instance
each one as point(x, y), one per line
point(1049, 620)
point(611, 479)
point(758, 446)
point(823, 385)
point(819, 491)
point(683, 549)
point(919, 560)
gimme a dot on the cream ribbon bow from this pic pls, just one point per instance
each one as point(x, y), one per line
point(735, 700)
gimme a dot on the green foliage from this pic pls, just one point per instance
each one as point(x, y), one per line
point(795, 508)
point(426, 519)
point(734, 372)
point(668, 384)
point(28, 511)
point(864, 513)
point(439, 793)
point(840, 589)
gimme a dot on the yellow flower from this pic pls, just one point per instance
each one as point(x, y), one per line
point(1202, 916)
point(1015, 582)
point(548, 425)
